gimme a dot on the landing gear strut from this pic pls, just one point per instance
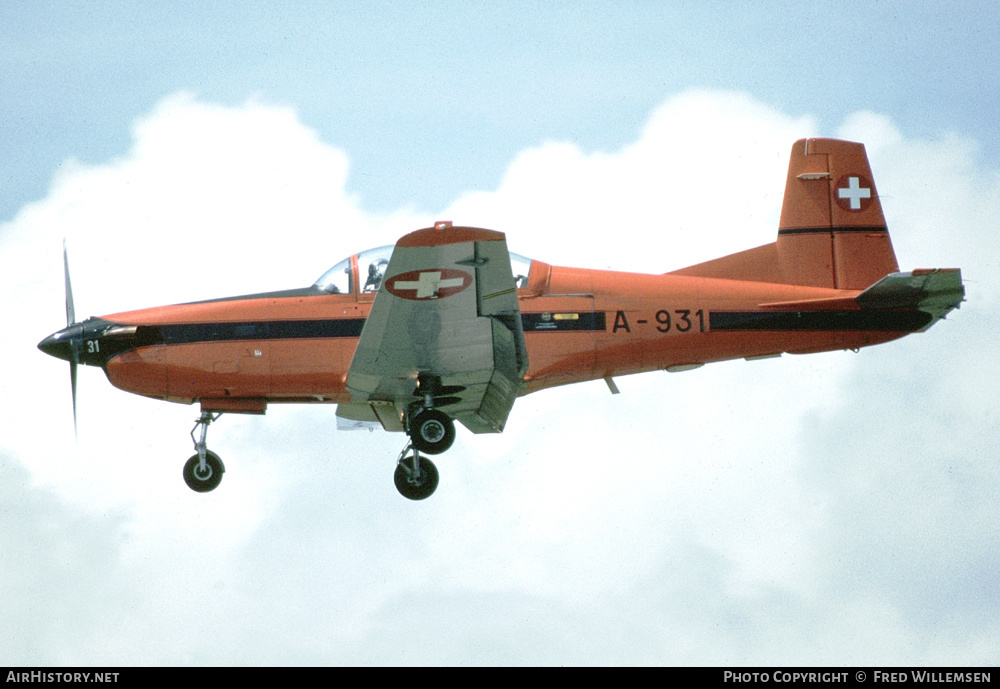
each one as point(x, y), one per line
point(416, 477)
point(203, 472)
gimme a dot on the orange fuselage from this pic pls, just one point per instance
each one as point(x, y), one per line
point(241, 354)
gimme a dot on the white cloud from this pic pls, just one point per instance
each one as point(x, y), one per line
point(825, 509)
point(699, 183)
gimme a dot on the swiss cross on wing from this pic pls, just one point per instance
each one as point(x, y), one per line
point(854, 192)
point(436, 283)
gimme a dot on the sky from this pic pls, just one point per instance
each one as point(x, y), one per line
point(830, 509)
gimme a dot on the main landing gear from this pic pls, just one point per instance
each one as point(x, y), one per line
point(416, 477)
point(431, 432)
point(203, 472)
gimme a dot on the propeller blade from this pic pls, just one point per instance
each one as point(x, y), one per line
point(70, 320)
point(72, 382)
point(70, 310)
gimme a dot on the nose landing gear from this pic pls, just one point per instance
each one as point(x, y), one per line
point(203, 472)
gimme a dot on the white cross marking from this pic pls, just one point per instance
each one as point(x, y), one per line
point(855, 192)
point(428, 284)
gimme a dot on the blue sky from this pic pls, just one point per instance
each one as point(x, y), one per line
point(831, 509)
point(435, 99)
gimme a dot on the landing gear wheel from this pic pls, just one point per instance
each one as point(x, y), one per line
point(432, 431)
point(202, 481)
point(416, 486)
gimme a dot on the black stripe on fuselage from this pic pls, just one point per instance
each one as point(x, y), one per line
point(188, 333)
point(881, 320)
point(828, 230)
point(113, 339)
point(861, 320)
point(191, 333)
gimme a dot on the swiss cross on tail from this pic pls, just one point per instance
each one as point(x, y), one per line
point(854, 192)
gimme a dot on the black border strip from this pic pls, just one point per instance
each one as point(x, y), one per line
point(886, 320)
point(193, 333)
point(189, 333)
point(830, 230)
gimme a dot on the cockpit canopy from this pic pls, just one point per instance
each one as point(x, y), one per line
point(364, 272)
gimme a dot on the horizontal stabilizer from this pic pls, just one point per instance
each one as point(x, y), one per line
point(933, 291)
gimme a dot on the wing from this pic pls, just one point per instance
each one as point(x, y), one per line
point(445, 323)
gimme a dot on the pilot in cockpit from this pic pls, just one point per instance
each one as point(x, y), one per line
point(376, 271)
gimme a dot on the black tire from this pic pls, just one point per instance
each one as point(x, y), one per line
point(212, 477)
point(420, 487)
point(432, 431)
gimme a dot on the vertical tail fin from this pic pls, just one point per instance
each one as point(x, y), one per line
point(832, 231)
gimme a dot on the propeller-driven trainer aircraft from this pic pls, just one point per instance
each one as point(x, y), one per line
point(449, 326)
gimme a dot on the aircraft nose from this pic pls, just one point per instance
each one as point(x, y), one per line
point(59, 345)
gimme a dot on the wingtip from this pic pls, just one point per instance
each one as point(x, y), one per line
point(440, 236)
